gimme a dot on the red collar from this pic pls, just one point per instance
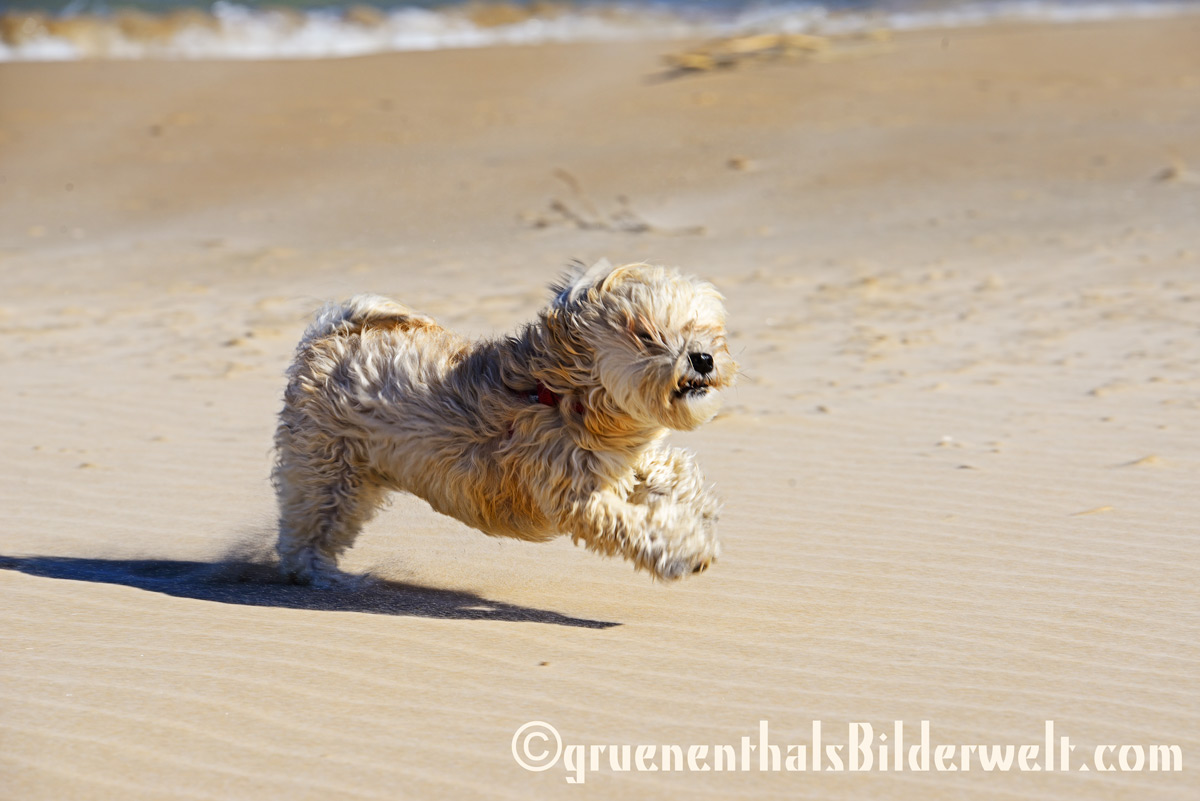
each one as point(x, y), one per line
point(548, 397)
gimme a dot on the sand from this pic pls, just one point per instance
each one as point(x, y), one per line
point(960, 467)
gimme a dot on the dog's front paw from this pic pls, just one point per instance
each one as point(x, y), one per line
point(671, 566)
point(688, 545)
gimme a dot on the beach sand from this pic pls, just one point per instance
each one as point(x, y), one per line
point(963, 276)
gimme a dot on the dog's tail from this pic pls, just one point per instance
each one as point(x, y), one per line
point(362, 312)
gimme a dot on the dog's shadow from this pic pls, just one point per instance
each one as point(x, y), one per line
point(256, 584)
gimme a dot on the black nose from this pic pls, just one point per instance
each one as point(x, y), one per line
point(702, 362)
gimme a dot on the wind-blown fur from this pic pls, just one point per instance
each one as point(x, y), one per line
point(382, 398)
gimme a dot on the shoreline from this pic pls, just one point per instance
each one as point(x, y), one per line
point(958, 469)
point(231, 32)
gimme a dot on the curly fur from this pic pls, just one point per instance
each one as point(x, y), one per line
point(382, 398)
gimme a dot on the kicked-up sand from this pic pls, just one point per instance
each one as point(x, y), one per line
point(960, 470)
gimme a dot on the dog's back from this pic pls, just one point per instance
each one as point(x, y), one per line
point(367, 350)
point(362, 313)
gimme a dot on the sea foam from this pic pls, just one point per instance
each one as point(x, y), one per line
point(231, 31)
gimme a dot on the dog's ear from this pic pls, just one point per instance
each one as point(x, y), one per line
point(578, 279)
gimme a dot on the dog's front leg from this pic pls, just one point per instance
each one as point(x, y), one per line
point(667, 538)
point(671, 475)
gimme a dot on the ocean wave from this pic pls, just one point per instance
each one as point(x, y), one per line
point(231, 31)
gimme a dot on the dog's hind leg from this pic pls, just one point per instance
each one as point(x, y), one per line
point(323, 503)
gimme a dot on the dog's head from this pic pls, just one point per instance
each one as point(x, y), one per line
point(652, 339)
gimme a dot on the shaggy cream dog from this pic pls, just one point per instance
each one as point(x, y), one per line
point(558, 429)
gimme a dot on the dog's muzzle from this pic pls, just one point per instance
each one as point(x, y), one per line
point(697, 385)
point(693, 387)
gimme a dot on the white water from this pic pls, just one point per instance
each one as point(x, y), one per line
point(243, 33)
